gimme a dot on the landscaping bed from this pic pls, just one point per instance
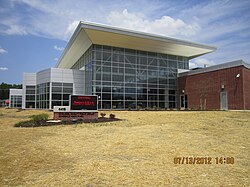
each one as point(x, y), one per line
point(42, 120)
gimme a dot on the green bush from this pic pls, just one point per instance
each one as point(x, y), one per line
point(35, 121)
point(39, 117)
point(29, 123)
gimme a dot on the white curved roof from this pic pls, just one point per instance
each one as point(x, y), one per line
point(87, 34)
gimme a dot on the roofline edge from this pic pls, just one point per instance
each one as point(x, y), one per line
point(108, 28)
point(217, 67)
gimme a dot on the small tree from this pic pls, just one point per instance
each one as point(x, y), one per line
point(103, 115)
point(112, 116)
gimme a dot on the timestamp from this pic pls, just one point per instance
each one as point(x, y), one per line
point(204, 160)
point(224, 160)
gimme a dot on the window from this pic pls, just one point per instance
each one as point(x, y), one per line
point(16, 101)
point(61, 93)
point(30, 96)
point(57, 89)
point(128, 78)
point(42, 96)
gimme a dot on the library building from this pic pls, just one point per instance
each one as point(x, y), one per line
point(130, 70)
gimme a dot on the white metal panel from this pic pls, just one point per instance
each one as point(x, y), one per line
point(16, 92)
point(87, 34)
point(75, 51)
point(43, 76)
point(28, 79)
point(144, 44)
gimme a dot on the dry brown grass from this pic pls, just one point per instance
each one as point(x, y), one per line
point(137, 151)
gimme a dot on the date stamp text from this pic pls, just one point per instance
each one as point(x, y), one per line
point(204, 160)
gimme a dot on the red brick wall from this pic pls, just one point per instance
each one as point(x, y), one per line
point(75, 115)
point(246, 82)
point(203, 90)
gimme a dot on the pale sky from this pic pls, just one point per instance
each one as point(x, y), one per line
point(34, 33)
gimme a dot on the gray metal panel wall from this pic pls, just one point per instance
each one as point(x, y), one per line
point(28, 79)
point(77, 77)
point(16, 92)
point(69, 76)
point(43, 76)
point(79, 82)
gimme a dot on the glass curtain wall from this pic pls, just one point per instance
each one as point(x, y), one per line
point(30, 97)
point(85, 63)
point(131, 79)
point(39, 96)
point(61, 93)
point(16, 101)
point(42, 97)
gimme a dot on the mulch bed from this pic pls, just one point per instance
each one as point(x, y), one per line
point(64, 122)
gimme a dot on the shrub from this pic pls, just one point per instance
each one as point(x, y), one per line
point(112, 116)
point(80, 120)
point(29, 123)
point(40, 117)
point(103, 114)
point(35, 121)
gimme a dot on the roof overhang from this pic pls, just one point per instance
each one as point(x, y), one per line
point(87, 34)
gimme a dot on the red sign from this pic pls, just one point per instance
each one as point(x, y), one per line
point(81, 102)
point(7, 102)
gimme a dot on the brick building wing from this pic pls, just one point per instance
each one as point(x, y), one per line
point(220, 87)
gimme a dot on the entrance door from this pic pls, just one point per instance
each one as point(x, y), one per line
point(183, 102)
point(223, 101)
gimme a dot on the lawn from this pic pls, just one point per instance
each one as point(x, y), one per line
point(139, 150)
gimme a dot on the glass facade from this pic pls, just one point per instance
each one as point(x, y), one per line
point(131, 79)
point(85, 63)
point(61, 93)
point(39, 96)
point(30, 97)
point(42, 96)
point(16, 101)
